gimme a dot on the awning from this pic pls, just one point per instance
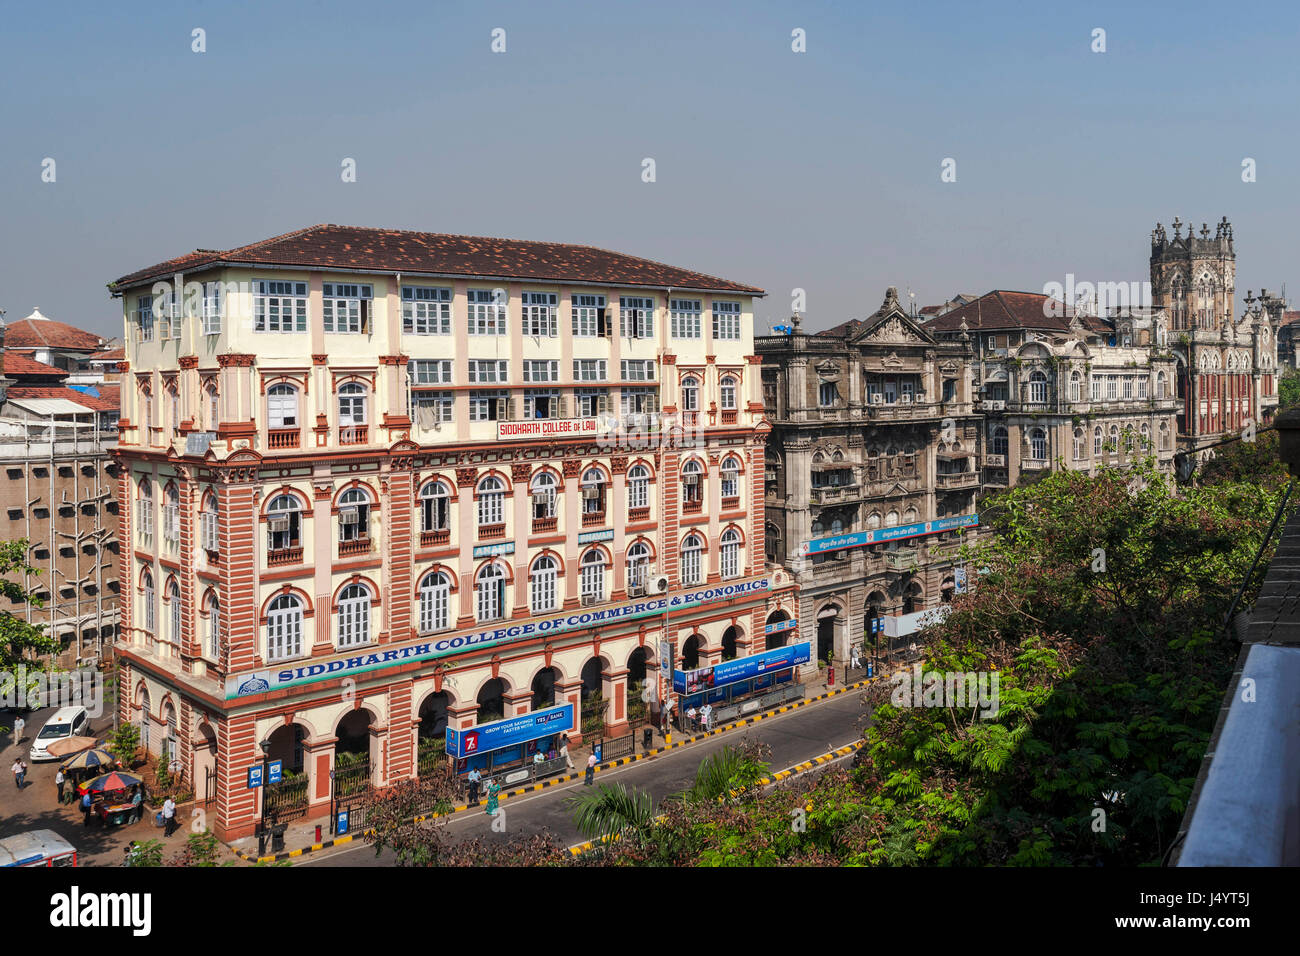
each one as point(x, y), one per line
point(51, 406)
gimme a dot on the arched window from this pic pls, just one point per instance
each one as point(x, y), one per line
point(891, 519)
point(281, 407)
point(209, 520)
point(730, 478)
point(910, 516)
point(543, 490)
point(1080, 443)
point(1162, 385)
point(491, 502)
point(354, 515)
point(1097, 441)
point(1114, 439)
point(692, 565)
point(692, 485)
point(284, 628)
point(730, 553)
point(283, 524)
point(174, 615)
point(1145, 432)
point(873, 520)
point(593, 492)
point(1037, 387)
point(542, 590)
point(1164, 436)
point(1038, 444)
point(690, 394)
point(638, 487)
point(352, 413)
point(144, 509)
point(998, 442)
point(638, 565)
point(172, 515)
point(354, 615)
point(593, 576)
point(435, 507)
point(150, 603)
point(435, 602)
point(213, 608)
point(1076, 387)
point(728, 390)
point(490, 592)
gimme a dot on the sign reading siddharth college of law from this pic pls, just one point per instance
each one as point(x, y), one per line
point(551, 428)
point(259, 682)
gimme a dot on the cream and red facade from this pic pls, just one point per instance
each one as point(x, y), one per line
point(306, 543)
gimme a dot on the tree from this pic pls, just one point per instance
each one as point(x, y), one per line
point(612, 811)
point(21, 643)
point(1288, 389)
point(408, 819)
point(124, 743)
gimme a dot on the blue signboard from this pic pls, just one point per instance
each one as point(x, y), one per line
point(275, 771)
point(341, 827)
point(254, 777)
point(778, 626)
point(742, 668)
point(509, 732)
point(857, 539)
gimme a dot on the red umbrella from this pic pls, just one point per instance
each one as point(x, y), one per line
point(117, 780)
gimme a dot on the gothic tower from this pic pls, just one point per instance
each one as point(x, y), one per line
point(1193, 277)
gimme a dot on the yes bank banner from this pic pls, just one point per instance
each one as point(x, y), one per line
point(859, 539)
point(509, 732)
point(260, 682)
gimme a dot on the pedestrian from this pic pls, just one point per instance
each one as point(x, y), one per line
point(854, 662)
point(564, 751)
point(691, 716)
point(58, 783)
point(85, 807)
point(169, 816)
point(705, 713)
point(20, 771)
point(132, 854)
point(591, 770)
point(138, 803)
point(493, 788)
point(472, 779)
point(539, 758)
point(668, 716)
point(19, 726)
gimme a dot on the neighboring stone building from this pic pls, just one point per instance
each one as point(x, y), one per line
point(1056, 389)
point(1227, 367)
point(379, 485)
point(1288, 340)
point(871, 472)
point(57, 491)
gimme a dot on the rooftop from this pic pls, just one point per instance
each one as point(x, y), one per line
point(36, 331)
point(354, 248)
point(1005, 309)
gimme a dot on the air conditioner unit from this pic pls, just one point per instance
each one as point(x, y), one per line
point(348, 516)
point(590, 599)
point(278, 524)
point(636, 590)
point(877, 398)
point(590, 493)
point(658, 584)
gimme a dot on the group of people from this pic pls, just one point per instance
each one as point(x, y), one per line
point(700, 719)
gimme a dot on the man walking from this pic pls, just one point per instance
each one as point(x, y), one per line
point(85, 807)
point(58, 783)
point(473, 778)
point(20, 771)
point(564, 751)
point(591, 770)
point(169, 817)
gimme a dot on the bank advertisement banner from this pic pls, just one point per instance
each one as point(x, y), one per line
point(260, 682)
point(742, 668)
point(859, 539)
point(509, 732)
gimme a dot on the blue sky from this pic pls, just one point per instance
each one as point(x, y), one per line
point(816, 170)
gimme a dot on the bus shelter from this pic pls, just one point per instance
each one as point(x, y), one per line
point(744, 685)
point(508, 749)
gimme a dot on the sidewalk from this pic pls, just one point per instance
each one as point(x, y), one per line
point(300, 837)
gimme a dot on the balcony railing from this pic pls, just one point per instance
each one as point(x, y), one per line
point(282, 437)
point(541, 525)
point(431, 539)
point(489, 531)
point(729, 416)
point(900, 560)
point(960, 479)
point(354, 546)
point(638, 514)
point(692, 507)
point(690, 418)
point(593, 519)
point(731, 503)
point(1034, 464)
point(353, 434)
point(992, 405)
point(825, 494)
point(284, 556)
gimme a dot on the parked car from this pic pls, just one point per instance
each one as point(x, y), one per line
point(66, 722)
point(37, 848)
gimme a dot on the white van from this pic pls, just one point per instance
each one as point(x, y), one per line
point(67, 722)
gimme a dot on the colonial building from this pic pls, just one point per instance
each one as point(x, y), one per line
point(1227, 366)
point(379, 483)
point(871, 473)
point(57, 492)
point(1075, 391)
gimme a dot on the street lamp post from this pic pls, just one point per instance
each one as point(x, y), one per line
point(266, 773)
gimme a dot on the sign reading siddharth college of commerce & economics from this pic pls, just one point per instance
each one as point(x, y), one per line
point(552, 428)
point(298, 673)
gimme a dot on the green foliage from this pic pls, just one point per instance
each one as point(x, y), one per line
point(201, 849)
point(1288, 389)
point(611, 810)
point(20, 642)
point(124, 743)
point(147, 853)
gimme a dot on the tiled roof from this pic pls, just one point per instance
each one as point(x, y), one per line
point(109, 355)
point(1002, 309)
point(22, 363)
point(103, 402)
point(50, 333)
point(931, 309)
point(326, 247)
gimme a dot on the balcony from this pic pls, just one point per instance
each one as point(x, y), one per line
point(432, 539)
point(690, 417)
point(960, 479)
point(282, 556)
point(992, 405)
point(1034, 464)
point(731, 503)
point(638, 514)
point(829, 494)
point(489, 531)
point(692, 507)
point(901, 411)
point(354, 547)
point(901, 560)
point(543, 525)
point(282, 437)
point(593, 519)
point(729, 416)
point(353, 434)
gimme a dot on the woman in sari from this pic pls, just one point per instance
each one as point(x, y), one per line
point(493, 788)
